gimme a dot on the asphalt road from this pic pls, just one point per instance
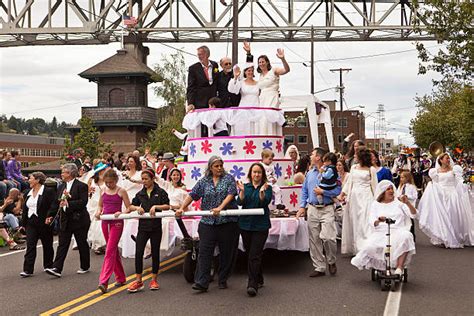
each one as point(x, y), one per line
point(440, 283)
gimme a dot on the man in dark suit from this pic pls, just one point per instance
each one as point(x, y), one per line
point(223, 77)
point(202, 82)
point(74, 219)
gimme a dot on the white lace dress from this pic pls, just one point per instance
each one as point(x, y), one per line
point(95, 235)
point(445, 213)
point(131, 225)
point(269, 85)
point(359, 190)
point(243, 120)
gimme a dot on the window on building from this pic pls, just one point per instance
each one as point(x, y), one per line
point(376, 146)
point(388, 145)
point(342, 122)
point(117, 97)
point(302, 122)
point(302, 139)
point(340, 138)
point(290, 139)
point(141, 98)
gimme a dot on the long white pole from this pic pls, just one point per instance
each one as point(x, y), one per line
point(250, 211)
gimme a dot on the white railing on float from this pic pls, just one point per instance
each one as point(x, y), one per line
point(135, 215)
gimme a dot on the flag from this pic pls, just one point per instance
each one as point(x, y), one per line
point(129, 21)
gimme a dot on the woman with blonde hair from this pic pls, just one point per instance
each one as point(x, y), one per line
point(293, 154)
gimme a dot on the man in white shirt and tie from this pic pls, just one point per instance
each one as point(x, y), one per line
point(74, 220)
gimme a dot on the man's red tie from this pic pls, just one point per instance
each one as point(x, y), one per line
point(206, 72)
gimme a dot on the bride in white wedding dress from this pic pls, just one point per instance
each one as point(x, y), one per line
point(445, 213)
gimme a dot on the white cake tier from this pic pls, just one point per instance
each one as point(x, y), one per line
point(291, 197)
point(243, 121)
point(234, 147)
point(193, 171)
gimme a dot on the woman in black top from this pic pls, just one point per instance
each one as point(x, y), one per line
point(38, 206)
point(150, 199)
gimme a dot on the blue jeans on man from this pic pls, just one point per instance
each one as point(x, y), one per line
point(11, 220)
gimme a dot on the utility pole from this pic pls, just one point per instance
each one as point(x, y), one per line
point(312, 59)
point(341, 87)
point(235, 31)
point(341, 97)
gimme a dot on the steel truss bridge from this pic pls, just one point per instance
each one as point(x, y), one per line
point(82, 22)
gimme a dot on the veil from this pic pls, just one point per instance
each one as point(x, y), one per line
point(451, 161)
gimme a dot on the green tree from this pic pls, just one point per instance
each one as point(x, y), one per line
point(88, 139)
point(171, 75)
point(451, 24)
point(446, 116)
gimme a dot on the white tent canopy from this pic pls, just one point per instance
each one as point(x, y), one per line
point(308, 102)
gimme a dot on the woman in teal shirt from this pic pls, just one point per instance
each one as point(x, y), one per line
point(254, 229)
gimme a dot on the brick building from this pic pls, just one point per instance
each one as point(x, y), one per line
point(33, 149)
point(122, 114)
point(384, 146)
point(343, 123)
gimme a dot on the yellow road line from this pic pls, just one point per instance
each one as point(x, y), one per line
point(120, 289)
point(93, 293)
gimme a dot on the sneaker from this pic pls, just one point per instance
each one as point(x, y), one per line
point(251, 291)
point(53, 272)
point(398, 272)
point(25, 274)
point(119, 284)
point(103, 288)
point(222, 285)
point(316, 274)
point(154, 285)
point(199, 287)
point(135, 286)
point(82, 271)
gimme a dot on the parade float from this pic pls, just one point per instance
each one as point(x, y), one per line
point(253, 129)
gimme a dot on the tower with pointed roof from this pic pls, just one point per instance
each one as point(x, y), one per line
point(122, 114)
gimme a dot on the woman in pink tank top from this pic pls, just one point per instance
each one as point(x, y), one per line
point(110, 202)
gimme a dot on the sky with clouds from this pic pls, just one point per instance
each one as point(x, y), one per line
point(43, 81)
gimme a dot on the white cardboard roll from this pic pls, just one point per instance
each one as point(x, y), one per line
point(238, 212)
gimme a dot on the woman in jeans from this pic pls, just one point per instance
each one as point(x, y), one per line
point(254, 229)
point(217, 190)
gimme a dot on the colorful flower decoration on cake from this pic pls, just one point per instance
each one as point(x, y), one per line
point(267, 145)
point(226, 149)
point(249, 147)
point(183, 173)
point(293, 199)
point(279, 146)
point(196, 173)
point(289, 171)
point(237, 172)
point(192, 150)
point(278, 170)
point(196, 205)
point(206, 147)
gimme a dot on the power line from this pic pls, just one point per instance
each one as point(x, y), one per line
point(48, 107)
